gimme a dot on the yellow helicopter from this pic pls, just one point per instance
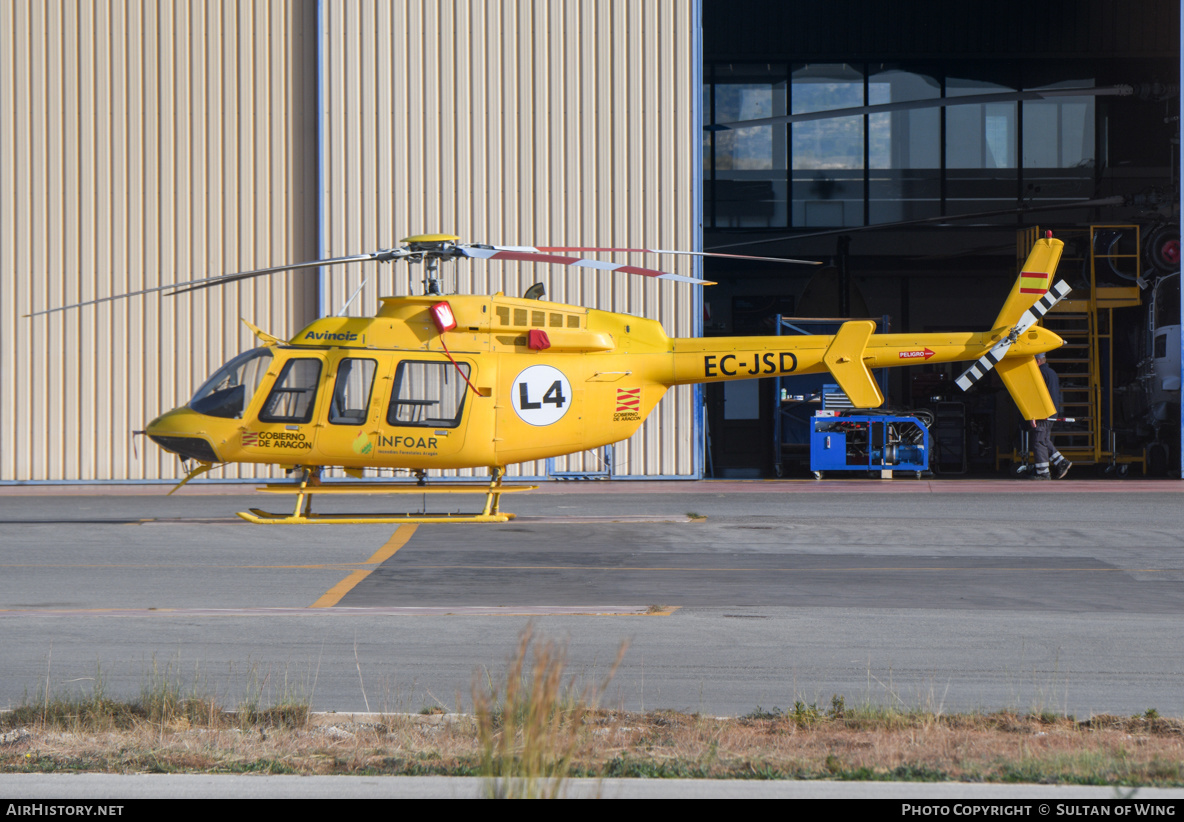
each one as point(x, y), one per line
point(468, 381)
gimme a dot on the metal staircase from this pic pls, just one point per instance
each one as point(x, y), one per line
point(1085, 320)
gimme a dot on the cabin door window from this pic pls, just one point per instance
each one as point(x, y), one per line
point(351, 392)
point(428, 395)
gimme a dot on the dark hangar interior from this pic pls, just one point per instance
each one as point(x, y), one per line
point(922, 213)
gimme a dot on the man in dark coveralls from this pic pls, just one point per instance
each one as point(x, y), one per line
point(1047, 457)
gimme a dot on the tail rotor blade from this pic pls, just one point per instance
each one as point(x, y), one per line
point(1058, 292)
point(999, 350)
point(982, 365)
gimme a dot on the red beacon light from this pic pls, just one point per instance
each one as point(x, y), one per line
point(444, 319)
point(442, 316)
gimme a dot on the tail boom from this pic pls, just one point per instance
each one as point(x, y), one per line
point(719, 359)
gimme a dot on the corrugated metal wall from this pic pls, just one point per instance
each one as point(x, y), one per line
point(151, 142)
point(522, 122)
point(141, 143)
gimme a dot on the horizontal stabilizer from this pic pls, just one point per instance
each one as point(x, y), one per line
point(844, 358)
point(1026, 386)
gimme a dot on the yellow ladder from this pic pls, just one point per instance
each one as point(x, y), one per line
point(1077, 368)
point(1084, 364)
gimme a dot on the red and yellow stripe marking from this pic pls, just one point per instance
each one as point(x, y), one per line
point(1033, 282)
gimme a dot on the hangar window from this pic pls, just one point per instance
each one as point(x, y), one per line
point(746, 180)
point(1059, 146)
point(912, 162)
point(827, 154)
point(904, 148)
point(428, 395)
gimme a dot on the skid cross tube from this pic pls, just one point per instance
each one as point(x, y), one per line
point(303, 514)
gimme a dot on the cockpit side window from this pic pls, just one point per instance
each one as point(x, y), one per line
point(295, 392)
point(227, 393)
point(351, 393)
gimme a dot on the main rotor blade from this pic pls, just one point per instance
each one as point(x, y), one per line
point(598, 250)
point(526, 254)
point(385, 255)
point(173, 289)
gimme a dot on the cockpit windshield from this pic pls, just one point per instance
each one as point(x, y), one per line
point(227, 393)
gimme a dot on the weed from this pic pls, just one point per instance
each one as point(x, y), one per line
point(805, 715)
point(529, 730)
point(289, 716)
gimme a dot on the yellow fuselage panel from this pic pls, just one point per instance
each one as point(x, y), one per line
point(591, 379)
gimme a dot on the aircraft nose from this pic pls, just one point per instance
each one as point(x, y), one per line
point(174, 432)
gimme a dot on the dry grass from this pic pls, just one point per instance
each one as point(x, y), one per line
point(994, 747)
point(535, 728)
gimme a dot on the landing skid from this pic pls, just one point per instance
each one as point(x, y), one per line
point(309, 487)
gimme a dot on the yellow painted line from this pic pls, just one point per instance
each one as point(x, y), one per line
point(398, 540)
point(334, 594)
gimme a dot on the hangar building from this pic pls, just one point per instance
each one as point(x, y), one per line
point(144, 143)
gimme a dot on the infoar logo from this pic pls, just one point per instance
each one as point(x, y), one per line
point(362, 445)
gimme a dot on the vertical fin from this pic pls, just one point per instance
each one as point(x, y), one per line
point(1027, 388)
point(844, 358)
point(1033, 282)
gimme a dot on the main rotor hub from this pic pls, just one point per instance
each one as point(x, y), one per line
point(438, 243)
point(430, 248)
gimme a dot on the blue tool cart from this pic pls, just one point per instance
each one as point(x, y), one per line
point(868, 442)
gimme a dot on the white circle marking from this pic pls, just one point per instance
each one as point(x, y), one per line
point(541, 395)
